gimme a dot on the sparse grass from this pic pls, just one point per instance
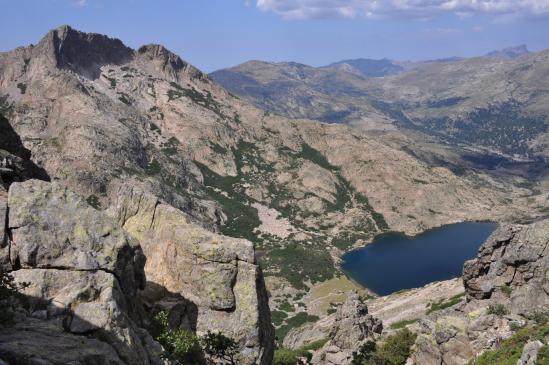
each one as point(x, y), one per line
point(506, 289)
point(497, 309)
point(404, 323)
point(446, 304)
point(332, 292)
point(510, 349)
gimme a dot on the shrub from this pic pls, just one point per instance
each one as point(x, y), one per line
point(181, 346)
point(286, 307)
point(153, 167)
point(9, 291)
point(22, 87)
point(497, 309)
point(394, 351)
point(278, 317)
point(220, 347)
point(286, 357)
point(506, 289)
point(93, 201)
point(296, 321)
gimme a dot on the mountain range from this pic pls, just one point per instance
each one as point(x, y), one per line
point(134, 184)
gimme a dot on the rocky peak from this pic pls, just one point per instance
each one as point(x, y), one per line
point(170, 64)
point(353, 326)
point(83, 53)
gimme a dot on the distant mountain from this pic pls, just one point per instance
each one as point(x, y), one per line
point(368, 67)
point(509, 53)
point(480, 102)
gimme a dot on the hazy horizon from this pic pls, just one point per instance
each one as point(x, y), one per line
point(217, 34)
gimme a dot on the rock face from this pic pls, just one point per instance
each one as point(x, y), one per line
point(83, 274)
point(217, 274)
point(352, 327)
point(511, 270)
point(515, 260)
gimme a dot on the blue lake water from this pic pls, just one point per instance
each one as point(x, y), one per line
point(394, 261)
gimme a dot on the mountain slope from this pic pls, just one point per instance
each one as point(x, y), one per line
point(493, 104)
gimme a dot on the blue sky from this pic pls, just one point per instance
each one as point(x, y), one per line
point(213, 34)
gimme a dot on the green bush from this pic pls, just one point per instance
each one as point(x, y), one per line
point(220, 347)
point(506, 289)
point(296, 321)
point(497, 309)
point(9, 291)
point(181, 346)
point(22, 87)
point(153, 167)
point(278, 317)
point(93, 201)
point(286, 307)
point(286, 357)
point(394, 351)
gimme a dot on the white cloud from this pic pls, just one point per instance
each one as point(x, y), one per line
point(306, 9)
point(80, 3)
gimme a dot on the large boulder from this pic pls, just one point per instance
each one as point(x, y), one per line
point(82, 274)
point(353, 326)
point(52, 227)
point(512, 267)
point(216, 278)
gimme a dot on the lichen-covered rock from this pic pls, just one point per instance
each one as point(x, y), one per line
point(218, 274)
point(81, 274)
point(52, 227)
point(353, 326)
point(512, 267)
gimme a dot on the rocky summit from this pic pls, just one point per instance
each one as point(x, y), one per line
point(153, 217)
